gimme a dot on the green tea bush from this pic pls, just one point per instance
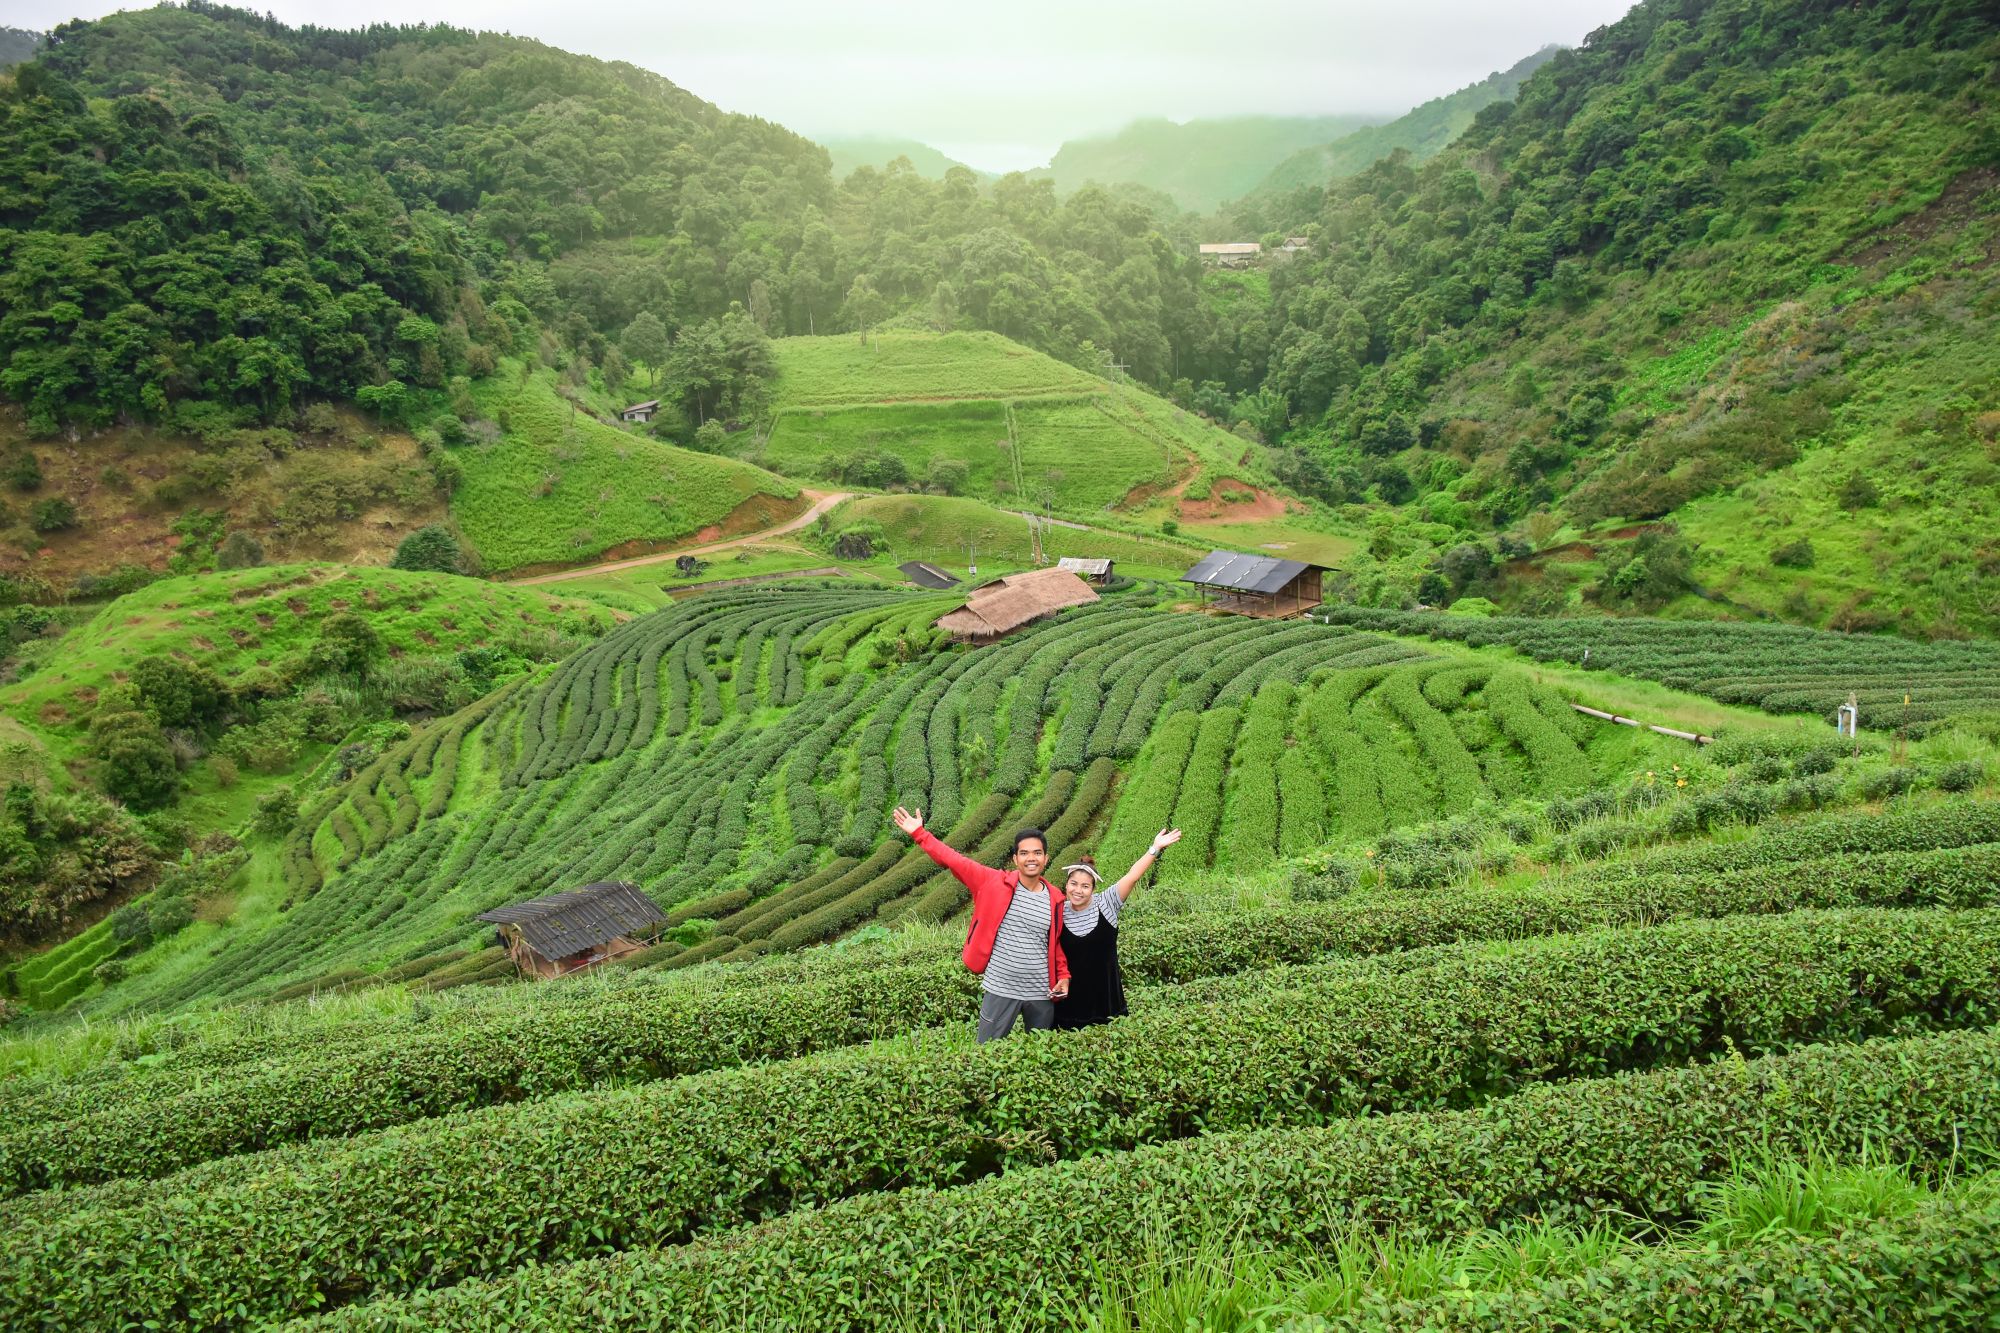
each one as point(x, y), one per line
point(1643, 1143)
point(392, 1214)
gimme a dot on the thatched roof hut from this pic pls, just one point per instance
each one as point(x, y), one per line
point(1006, 604)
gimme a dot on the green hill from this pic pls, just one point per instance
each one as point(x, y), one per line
point(1008, 424)
point(1704, 269)
point(260, 622)
point(749, 763)
point(849, 154)
point(1198, 163)
point(1422, 133)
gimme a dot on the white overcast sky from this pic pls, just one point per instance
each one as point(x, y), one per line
point(1002, 85)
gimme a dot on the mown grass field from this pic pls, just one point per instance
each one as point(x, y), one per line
point(920, 367)
point(560, 487)
point(1030, 431)
point(941, 528)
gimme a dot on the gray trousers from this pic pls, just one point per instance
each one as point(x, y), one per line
point(997, 1014)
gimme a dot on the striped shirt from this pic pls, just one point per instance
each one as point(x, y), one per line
point(1019, 969)
point(1103, 906)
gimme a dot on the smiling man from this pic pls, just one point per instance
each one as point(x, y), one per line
point(1014, 942)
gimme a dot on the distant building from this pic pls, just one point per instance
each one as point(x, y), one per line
point(1258, 585)
point(1295, 245)
point(926, 575)
point(640, 411)
point(565, 932)
point(1097, 571)
point(1004, 605)
point(1231, 254)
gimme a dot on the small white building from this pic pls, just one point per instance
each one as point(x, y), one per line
point(640, 411)
point(1231, 254)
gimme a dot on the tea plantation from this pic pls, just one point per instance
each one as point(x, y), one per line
point(1453, 1007)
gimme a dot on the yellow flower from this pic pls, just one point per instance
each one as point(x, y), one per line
point(1680, 782)
point(1369, 852)
point(1649, 773)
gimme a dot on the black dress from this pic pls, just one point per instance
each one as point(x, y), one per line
point(1096, 989)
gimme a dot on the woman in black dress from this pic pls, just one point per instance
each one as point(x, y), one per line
point(1090, 937)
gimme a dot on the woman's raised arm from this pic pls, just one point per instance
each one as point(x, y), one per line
point(1162, 840)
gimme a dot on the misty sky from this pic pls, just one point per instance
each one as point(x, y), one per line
point(1001, 85)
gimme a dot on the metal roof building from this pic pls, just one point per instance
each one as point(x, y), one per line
point(1262, 585)
point(566, 931)
point(1097, 571)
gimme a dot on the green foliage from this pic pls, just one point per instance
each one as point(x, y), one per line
point(433, 547)
point(1350, 1044)
point(53, 515)
point(239, 550)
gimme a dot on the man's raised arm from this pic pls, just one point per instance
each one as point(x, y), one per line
point(963, 868)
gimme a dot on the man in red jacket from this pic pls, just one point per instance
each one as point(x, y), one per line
point(1014, 940)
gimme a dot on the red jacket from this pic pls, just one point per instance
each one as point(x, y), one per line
point(992, 891)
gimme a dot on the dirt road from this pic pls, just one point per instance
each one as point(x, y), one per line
point(821, 503)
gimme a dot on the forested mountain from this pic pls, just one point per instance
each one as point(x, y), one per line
point(1198, 164)
point(1422, 133)
point(849, 153)
point(1735, 257)
point(1713, 264)
point(18, 44)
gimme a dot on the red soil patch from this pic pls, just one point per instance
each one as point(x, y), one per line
point(447, 624)
point(1952, 211)
point(85, 694)
point(426, 637)
point(265, 619)
point(337, 604)
point(297, 606)
point(243, 637)
point(53, 714)
point(1260, 505)
point(206, 644)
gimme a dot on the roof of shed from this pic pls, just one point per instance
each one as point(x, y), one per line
point(1009, 603)
point(571, 922)
point(1077, 564)
point(1245, 573)
point(926, 575)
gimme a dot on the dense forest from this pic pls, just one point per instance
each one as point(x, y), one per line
point(1635, 286)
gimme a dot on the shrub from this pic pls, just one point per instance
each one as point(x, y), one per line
point(169, 915)
point(53, 515)
point(1794, 555)
point(23, 471)
point(1644, 1145)
point(430, 548)
point(1961, 776)
point(239, 550)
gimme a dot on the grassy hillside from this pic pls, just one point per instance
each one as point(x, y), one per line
point(922, 367)
point(1199, 163)
point(1421, 133)
point(939, 528)
point(1028, 430)
point(560, 486)
point(1705, 270)
point(239, 622)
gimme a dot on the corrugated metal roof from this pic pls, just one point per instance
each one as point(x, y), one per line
point(570, 923)
point(926, 575)
point(1244, 573)
point(1232, 248)
point(1076, 564)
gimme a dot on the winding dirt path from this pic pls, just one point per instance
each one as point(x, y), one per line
point(821, 502)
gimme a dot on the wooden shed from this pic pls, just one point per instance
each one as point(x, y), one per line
point(1006, 604)
point(1097, 571)
point(1258, 585)
point(640, 411)
point(564, 932)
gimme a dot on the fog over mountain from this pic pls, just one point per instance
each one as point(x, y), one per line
point(1002, 87)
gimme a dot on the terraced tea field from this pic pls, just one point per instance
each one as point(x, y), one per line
point(1780, 668)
